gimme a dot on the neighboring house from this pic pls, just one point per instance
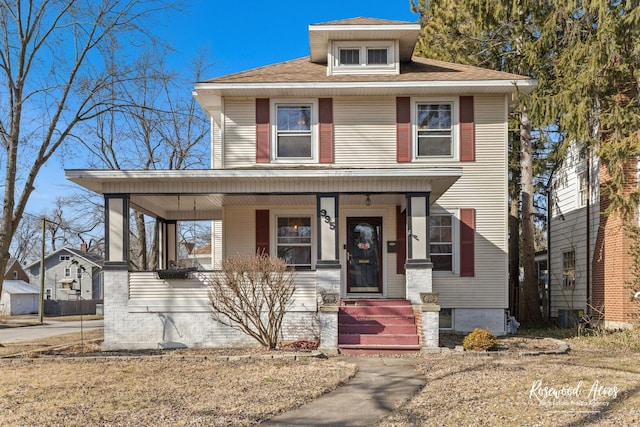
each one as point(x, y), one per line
point(380, 176)
point(19, 297)
point(68, 271)
point(14, 271)
point(590, 266)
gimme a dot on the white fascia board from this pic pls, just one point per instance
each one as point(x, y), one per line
point(506, 86)
point(150, 175)
point(364, 27)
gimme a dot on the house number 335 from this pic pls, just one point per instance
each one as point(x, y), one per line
point(327, 219)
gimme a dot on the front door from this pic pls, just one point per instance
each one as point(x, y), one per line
point(364, 255)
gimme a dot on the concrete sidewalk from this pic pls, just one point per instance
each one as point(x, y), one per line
point(380, 385)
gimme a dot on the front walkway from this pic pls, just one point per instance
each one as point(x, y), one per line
point(380, 386)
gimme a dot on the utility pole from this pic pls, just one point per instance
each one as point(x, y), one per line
point(41, 306)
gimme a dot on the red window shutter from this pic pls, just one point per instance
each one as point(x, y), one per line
point(403, 129)
point(467, 239)
point(263, 131)
point(401, 240)
point(467, 136)
point(262, 232)
point(325, 117)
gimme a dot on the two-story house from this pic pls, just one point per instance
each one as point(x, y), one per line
point(378, 175)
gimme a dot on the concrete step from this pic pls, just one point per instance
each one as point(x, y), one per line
point(379, 339)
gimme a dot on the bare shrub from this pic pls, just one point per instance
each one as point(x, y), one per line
point(479, 340)
point(252, 294)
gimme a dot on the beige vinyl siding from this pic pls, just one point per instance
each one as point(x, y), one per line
point(365, 131)
point(239, 132)
point(483, 187)
point(149, 293)
point(239, 231)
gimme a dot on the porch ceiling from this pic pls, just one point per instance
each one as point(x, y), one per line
point(201, 194)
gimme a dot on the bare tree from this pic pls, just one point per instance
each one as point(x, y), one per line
point(158, 126)
point(251, 294)
point(52, 71)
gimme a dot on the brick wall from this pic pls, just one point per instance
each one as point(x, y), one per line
point(611, 265)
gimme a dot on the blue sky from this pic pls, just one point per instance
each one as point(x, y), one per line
point(238, 36)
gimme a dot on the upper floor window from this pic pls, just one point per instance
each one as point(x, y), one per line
point(65, 257)
point(363, 57)
point(294, 131)
point(582, 189)
point(434, 129)
point(67, 272)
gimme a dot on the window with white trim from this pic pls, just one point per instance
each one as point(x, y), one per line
point(294, 131)
point(582, 189)
point(65, 257)
point(78, 272)
point(293, 240)
point(441, 243)
point(569, 269)
point(67, 272)
point(364, 57)
point(434, 129)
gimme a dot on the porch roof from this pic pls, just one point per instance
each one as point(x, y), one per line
point(202, 193)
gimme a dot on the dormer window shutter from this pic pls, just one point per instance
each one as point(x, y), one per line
point(263, 131)
point(467, 242)
point(262, 232)
point(467, 132)
point(403, 129)
point(325, 118)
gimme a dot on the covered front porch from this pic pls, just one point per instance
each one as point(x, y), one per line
point(351, 234)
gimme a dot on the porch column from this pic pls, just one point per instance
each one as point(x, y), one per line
point(328, 270)
point(117, 230)
point(419, 285)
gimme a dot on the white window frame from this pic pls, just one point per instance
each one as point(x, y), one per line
point(273, 227)
point(78, 273)
point(313, 103)
point(64, 257)
point(567, 281)
point(581, 189)
point(67, 272)
point(455, 131)
point(392, 67)
point(455, 244)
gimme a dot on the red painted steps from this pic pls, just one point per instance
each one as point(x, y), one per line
point(377, 326)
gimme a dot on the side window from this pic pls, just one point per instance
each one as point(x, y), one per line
point(569, 269)
point(67, 272)
point(293, 240)
point(349, 56)
point(434, 130)
point(294, 131)
point(582, 189)
point(441, 242)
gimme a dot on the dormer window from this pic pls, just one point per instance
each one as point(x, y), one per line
point(363, 57)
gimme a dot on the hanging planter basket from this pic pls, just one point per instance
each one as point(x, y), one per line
point(176, 273)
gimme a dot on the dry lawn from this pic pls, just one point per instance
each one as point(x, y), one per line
point(160, 391)
point(587, 387)
point(8, 349)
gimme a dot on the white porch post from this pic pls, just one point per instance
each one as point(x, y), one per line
point(419, 284)
point(328, 270)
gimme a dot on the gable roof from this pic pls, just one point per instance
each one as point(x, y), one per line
point(10, 264)
point(94, 260)
point(19, 287)
point(363, 20)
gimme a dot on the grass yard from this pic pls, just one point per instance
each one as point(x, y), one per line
point(160, 391)
point(596, 383)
